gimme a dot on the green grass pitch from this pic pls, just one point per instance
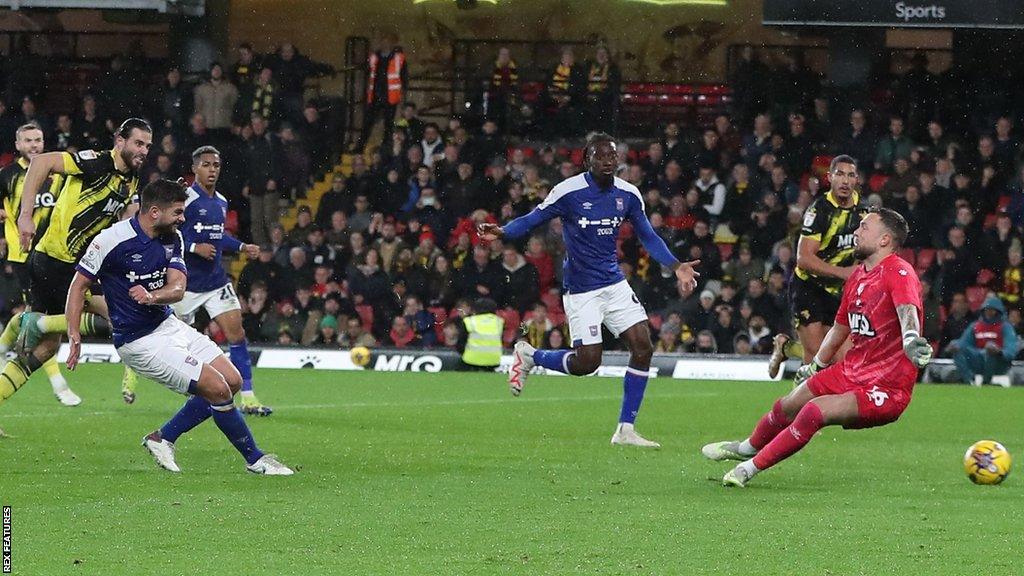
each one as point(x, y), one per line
point(404, 474)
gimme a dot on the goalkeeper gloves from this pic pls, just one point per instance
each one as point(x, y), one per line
point(806, 371)
point(917, 349)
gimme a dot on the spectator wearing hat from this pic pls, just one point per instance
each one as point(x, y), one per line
point(328, 333)
point(987, 346)
point(303, 224)
point(426, 252)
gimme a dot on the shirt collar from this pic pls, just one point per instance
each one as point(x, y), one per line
point(139, 231)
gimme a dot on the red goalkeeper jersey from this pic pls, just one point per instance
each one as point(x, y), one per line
point(868, 308)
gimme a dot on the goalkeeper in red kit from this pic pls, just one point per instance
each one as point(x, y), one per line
point(871, 386)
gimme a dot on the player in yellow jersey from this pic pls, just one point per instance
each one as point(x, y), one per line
point(28, 141)
point(99, 188)
point(824, 261)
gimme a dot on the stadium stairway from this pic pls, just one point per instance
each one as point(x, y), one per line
point(312, 200)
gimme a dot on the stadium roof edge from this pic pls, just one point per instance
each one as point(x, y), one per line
point(185, 7)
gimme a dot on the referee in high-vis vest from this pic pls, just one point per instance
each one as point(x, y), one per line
point(480, 336)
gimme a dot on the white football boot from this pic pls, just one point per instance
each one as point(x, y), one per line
point(270, 466)
point(625, 435)
point(522, 363)
point(162, 451)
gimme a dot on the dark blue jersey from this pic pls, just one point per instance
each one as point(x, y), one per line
point(123, 256)
point(204, 224)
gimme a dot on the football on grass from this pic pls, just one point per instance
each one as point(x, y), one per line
point(987, 462)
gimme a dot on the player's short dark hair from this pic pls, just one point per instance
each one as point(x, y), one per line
point(162, 193)
point(199, 152)
point(895, 223)
point(126, 127)
point(596, 138)
point(841, 159)
point(26, 127)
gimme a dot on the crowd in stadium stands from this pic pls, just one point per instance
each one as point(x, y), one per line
point(391, 256)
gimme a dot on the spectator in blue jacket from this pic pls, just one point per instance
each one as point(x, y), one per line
point(987, 345)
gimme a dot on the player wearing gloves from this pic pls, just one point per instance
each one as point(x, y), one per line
point(871, 386)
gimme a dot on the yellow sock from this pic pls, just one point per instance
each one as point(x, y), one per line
point(13, 377)
point(10, 333)
point(90, 324)
point(794, 349)
point(52, 369)
point(54, 324)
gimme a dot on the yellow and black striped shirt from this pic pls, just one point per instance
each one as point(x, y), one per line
point(94, 196)
point(833, 226)
point(12, 183)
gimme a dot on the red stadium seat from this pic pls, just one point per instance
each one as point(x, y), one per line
point(552, 301)
point(511, 318)
point(819, 166)
point(877, 181)
point(1004, 203)
point(576, 156)
point(925, 258)
point(908, 255)
point(231, 222)
point(440, 316)
point(976, 296)
point(655, 320)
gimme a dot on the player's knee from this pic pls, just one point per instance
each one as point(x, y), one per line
point(641, 353)
point(234, 381)
point(213, 387)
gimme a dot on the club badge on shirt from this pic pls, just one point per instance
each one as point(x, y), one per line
point(619, 204)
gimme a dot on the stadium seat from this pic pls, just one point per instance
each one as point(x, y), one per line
point(552, 301)
point(656, 321)
point(877, 181)
point(976, 296)
point(440, 316)
point(908, 255)
point(511, 318)
point(925, 258)
point(231, 222)
point(365, 312)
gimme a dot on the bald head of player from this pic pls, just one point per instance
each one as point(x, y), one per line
point(881, 232)
point(162, 207)
point(132, 143)
point(28, 141)
point(602, 158)
point(842, 174)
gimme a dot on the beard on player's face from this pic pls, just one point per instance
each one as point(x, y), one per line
point(862, 252)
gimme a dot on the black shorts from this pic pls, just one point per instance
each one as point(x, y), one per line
point(50, 283)
point(24, 276)
point(811, 303)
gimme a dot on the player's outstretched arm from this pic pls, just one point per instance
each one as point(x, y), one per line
point(518, 227)
point(685, 272)
point(917, 349)
point(73, 312)
point(39, 170)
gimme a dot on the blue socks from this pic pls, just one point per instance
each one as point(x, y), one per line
point(239, 354)
point(633, 386)
point(192, 414)
point(232, 425)
point(556, 360)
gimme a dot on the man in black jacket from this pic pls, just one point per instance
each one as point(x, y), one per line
point(482, 277)
point(261, 155)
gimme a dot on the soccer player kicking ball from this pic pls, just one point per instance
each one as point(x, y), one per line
point(871, 386)
point(592, 206)
point(208, 285)
point(140, 265)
